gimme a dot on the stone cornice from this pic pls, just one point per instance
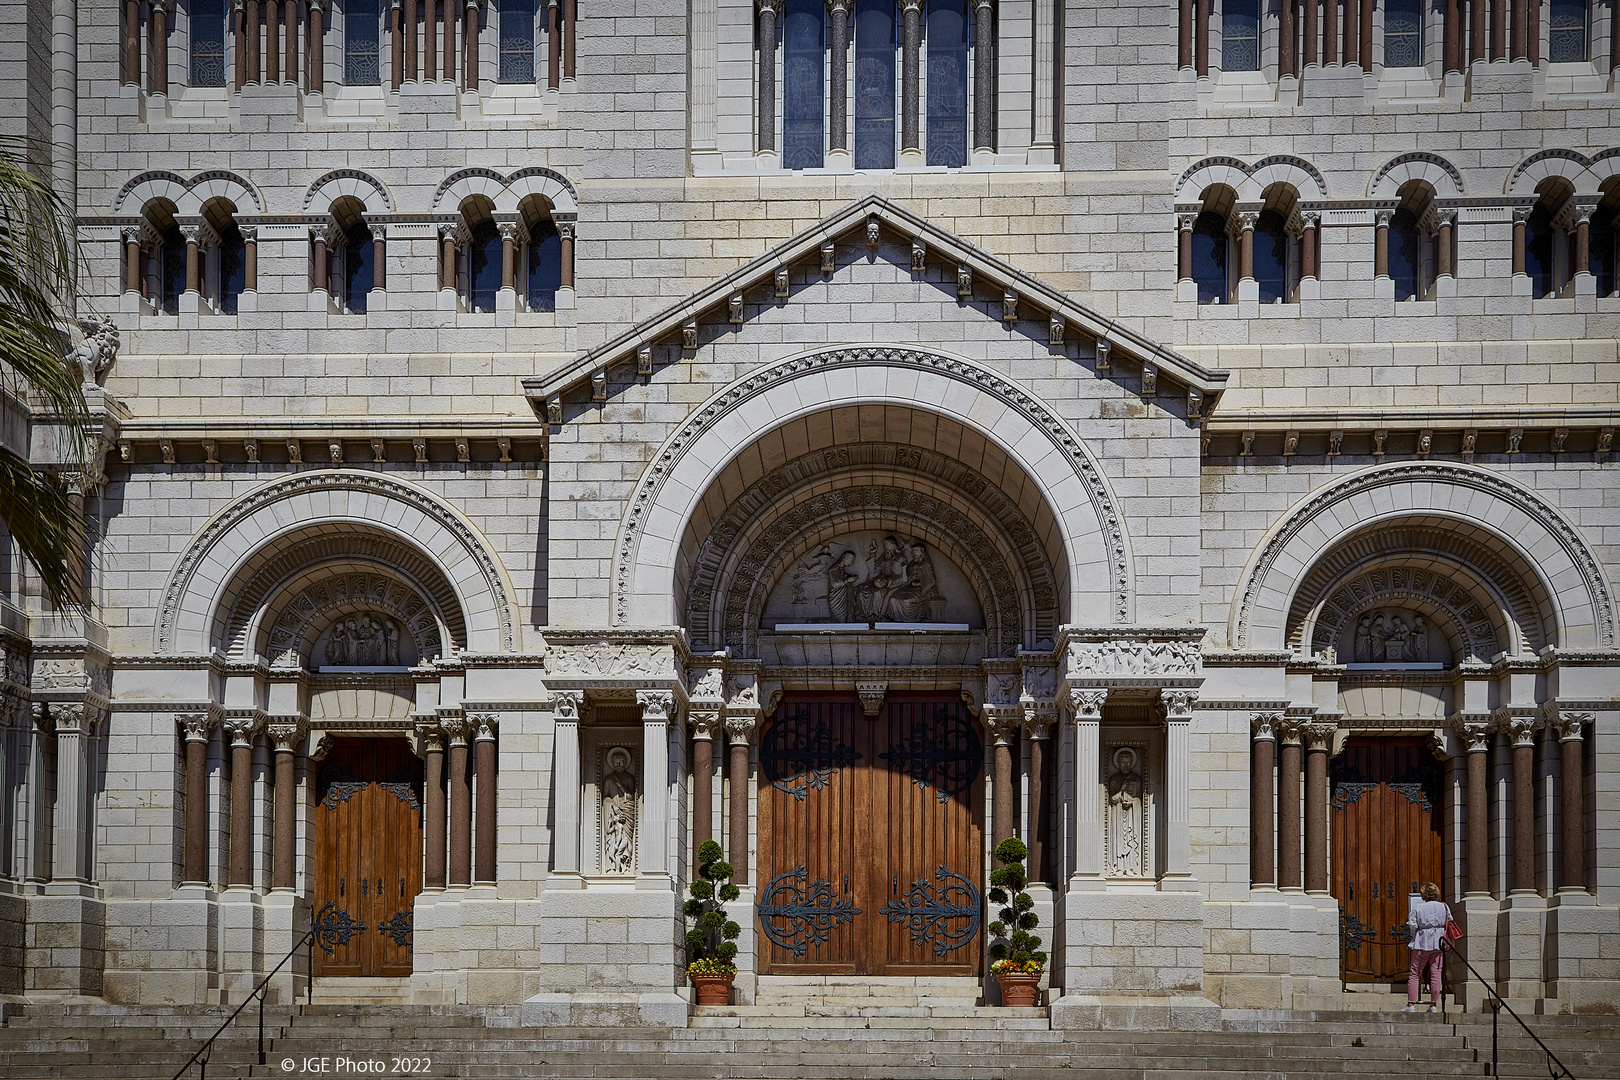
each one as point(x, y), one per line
point(396, 439)
point(1412, 432)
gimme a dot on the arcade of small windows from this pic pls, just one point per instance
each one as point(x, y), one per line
point(517, 263)
point(201, 265)
point(1239, 35)
point(920, 92)
point(1232, 252)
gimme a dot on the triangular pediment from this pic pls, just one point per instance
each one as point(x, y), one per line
point(871, 221)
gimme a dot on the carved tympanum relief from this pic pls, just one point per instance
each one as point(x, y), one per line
point(872, 577)
point(1358, 619)
point(363, 639)
point(1127, 828)
point(618, 810)
point(1393, 637)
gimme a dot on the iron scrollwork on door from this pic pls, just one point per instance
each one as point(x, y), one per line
point(1419, 784)
point(399, 927)
point(944, 752)
point(934, 917)
point(1353, 933)
point(338, 785)
point(334, 927)
point(795, 916)
point(798, 755)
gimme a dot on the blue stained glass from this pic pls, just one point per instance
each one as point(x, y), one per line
point(1602, 252)
point(1240, 35)
point(484, 267)
point(358, 271)
point(232, 270)
point(517, 41)
point(362, 43)
point(1538, 251)
point(803, 65)
point(1405, 256)
point(207, 33)
point(172, 270)
point(545, 266)
point(1271, 257)
point(875, 73)
point(1566, 32)
point(1403, 33)
point(947, 82)
point(1209, 251)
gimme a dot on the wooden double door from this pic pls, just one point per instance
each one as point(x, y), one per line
point(870, 837)
point(367, 857)
point(1385, 820)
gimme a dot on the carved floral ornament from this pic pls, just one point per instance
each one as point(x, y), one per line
point(1061, 436)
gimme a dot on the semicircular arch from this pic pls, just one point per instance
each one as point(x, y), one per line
point(371, 192)
point(1441, 175)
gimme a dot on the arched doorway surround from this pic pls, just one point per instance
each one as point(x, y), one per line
point(1095, 567)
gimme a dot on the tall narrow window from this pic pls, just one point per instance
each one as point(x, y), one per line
point(1209, 250)
point(947, 82)
point(1566, 33)
point(172, 269)
point(804, 56)
point(362, 43)
point(545, 266)
point(357, 269)
point(484, 267)
point(1271, 257)
point(874, 84)
point(1603, 249)
point(1538, 251)
point(1240, 35)
point(207, 33)
point(1406, 256)
point(517, 41)
point(1403, 33)
point(232, 267)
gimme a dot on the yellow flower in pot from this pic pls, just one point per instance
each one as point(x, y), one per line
point(711, 945)
point(1017, 959)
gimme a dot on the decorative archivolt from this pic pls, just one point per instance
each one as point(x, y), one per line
point(1468, 619)
point(307, 612)
point(1586, 174)
point(1562, 582)
point(1250, 182)
point(257, 541)
point(1441, 175)
point(188, 196)
point(338, 183)
point(507, 192)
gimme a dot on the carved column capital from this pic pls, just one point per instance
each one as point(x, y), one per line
point(483, 725)
point(1291, 729)
point(740, 730)
point(1039, 718)
point(1002, 723)
point(871, 694)
point(1246, 220)
point(1571, 726)
point(1519, 726)
point(566, 705)
point(1178, 703)
point(1382, 218)
point(243, 730)
point(656, 705)
point(704, 720)
point(1185, 222)
point(1319, 734)
point(1473, 730)
point(1087, 702)
point(1265, 725)
point(1521, 215)
point(430, 736)
point(197, 726)
point(1310, 219)
point(286, 732)
point(456, 729)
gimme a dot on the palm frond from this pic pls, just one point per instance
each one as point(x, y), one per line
point(48, 532)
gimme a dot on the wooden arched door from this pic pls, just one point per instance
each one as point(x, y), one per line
point(1385, 821)
point(871, 845)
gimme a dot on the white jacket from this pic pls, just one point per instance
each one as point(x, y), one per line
point(1428, 925)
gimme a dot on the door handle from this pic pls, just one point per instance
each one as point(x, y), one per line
point(343, 883)
point(1352, 890)
point(846, 884)
point(402, 887)
point(894, 886)
point(379, 886)
point(365, 886)
point(1375, 890)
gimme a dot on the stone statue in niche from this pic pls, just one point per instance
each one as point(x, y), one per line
point(1387, 638)
point(619, 813)
point(363, 641)
point(1126, 815)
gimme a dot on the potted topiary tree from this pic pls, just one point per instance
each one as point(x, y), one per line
point(1017, 961)
point(711, 945)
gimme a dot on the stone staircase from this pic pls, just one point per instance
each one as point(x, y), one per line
point(92, 1041)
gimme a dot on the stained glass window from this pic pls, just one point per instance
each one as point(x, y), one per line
point(1403, 33)
point(484, 267)
point(358, 271)
point(1538, 251)
point(545, 266)
point(1240, 35)
point(1603, 246)
point(1406, 256)
point(1271, 257)
point(517, 41)
point(207, 32)
point(232, 269)
point(172, 269)
point(803, 64)
point(1209, 251)
point(947, 82)
point(875, 71)
point(362, 43)
point(1566, 33)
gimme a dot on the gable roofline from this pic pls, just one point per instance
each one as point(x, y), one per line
point(1124, 341)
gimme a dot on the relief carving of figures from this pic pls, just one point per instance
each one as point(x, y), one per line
point(1387, 638)
point(901, 584)
point(619, 813)
point(363, 641)
point(1127, 824)
point(623, 661)
point(1136, 657)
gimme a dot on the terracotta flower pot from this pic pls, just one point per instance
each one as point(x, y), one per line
point(1019, 989)
point(713, 989)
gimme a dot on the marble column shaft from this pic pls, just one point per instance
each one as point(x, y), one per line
point(488, 829)
point(460, 805)
point(653, 834)
point(910, 77)
point(1262, 798)
point(286, 814)
point(433, 809)
point(738, 730)
point(241, 864)
point(1573, 817)
point(565, 784)
point(197, 735)
point(838, 84)
point(1087, 832)
point(1288, 810)
point(984, 78)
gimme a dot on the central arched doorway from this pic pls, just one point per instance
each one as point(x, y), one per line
point(871, 846)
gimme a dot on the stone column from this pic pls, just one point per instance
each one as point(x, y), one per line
point(410, 40)
point(1352, 36)
point(1184, 43)
point(1521, 25)
point(197, 728)
point(1184, 233)
point(447, 257)
point(448, 52)
point(1312, 33)
point(484, 728)
point(1366, 34)
point(160, 47)
point(1288, 806)
point(554, 45)
point(457, 729)
point(565, 785)
point(1043, 139)
point(1521, 221)
point(272, 41)
point(1288, 39)
point(319, 277)
point(289, 26)
point(984, 79)
point(1262, 797)
point(1001, 723)
point(767, 76)
point(132, 43)
point(74, 724)
point(1381, 245)
point(285, 738)
point(193, 237)
point(508, 250)
point(1522, 731)
point(1087, 832)
point(1178, 705)
point(433, 820)
point(396, 44)
point(1318, 741)
point(1572, 813)
point(1038, 720)
point(705, 723)
point(1442, 260)
point(238, 45)
point(910, 83)
point(250, 38)
point(250, 259)
point(1583, 239)
point(570, 16)
point(739, 730)
point(469, 35)
point(838, 83)
point(1476, 738)
point(1476, 21)
point(653, 835)
point(1453, 52)
point(243, 731)
point(1246, 223)
point(1330, 32)
point(1201, 38)
point(1498, 29)
point(1310, 239)
point(379, 258)
point(316, 79)
point(565, 256)
point(430, 52)
point(132, 260)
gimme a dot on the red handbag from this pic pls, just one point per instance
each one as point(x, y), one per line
point(1453, 931)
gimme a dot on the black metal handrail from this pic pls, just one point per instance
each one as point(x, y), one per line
point(203, 1052)
point(1555, 1068)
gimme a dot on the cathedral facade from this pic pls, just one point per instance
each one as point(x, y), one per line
point(535, 438)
